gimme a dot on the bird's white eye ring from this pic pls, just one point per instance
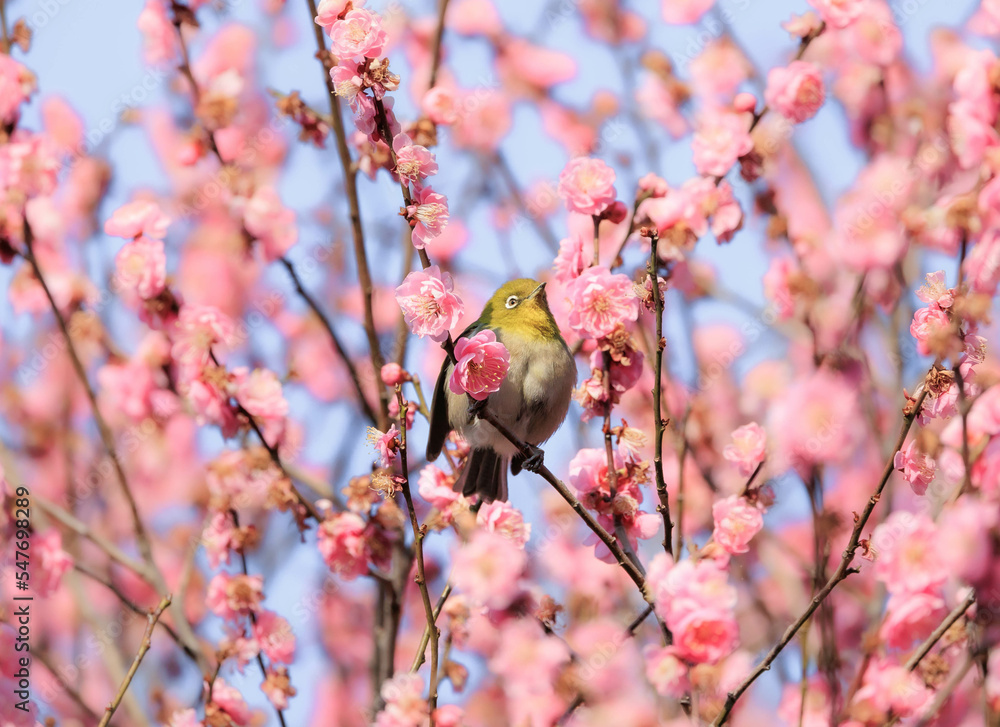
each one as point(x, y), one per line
point(512, 301)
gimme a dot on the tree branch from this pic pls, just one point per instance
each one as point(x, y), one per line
point(843, 569)
point(144, 645)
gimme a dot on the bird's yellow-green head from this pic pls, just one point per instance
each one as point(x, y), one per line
point(520, 306)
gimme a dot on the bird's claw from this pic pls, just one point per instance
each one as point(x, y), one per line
point(476, 407)
point(535, 459)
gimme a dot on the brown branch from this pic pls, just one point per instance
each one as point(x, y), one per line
point(151, 618)
point(253, 617)
point(659, 423)
point(844, 569)
point(354, 206)
point(334, 338)
point(418, 659)
point(143, 541)
point(418, 548)
point(80, 528)
point(134, 607)
point(436, 49)
point(943, 627)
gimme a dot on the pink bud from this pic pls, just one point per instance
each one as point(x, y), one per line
point(616, 213)
point(744, 102)
point(393, 374)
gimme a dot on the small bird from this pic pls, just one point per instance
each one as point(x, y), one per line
point(532, 401)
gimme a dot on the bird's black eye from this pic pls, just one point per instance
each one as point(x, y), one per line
point(512, 301)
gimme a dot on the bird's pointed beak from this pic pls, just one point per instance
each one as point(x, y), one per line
point(537, 291)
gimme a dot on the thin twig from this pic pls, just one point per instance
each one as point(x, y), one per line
point(253, 616)
point(144, 645)
point(436, 48)
point(659, 423)
point(143, 542)
point(133, 607)
point(80, 528)
point(943, 627)
point(334, 338)
point(354, 206)
point(844, 569)
point(418, 548)
point(418, 658)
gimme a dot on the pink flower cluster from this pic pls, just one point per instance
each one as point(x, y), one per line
point(697, 602)
point(481, 365)
point(698, 206)
point(488, 569)
point(587, 186)
point(343, 543)
point(17, 84)
point(736, 522)
point(599, 301)
point(795, 91)
point(588, 475)
point(748, 449)
point(430, 306)
point(721, 138)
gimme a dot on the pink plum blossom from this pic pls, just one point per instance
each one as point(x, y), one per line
point(600, 300)
point(358, 34)
point(488, 569)
point(259, 392)
point(500, 517)
point(911, 617)
point(736, 522)
point(890, 687)
point(481, 365)
point(682, 12)
point(328, 12)
point(795, 91)
point(17, 84)
point(666, 671)
point(748, 449)
point(935, 291)
point(341, 540)
point(430, 306)
point(231, 596)
point(141, 217)
point(274, 634)
point(414, 163)
point(839, 13)
point(918, 469)
point(927, 324)
point(268, 220)
point(386, 444)
point(429, 213)
point(441, 105)
point(404, 703)
point(141, 268)
point(910, 558)
point(50, 562)
point(587, 186)
point(719, 142)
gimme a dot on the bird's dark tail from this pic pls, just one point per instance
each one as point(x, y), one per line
point(485, 475)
